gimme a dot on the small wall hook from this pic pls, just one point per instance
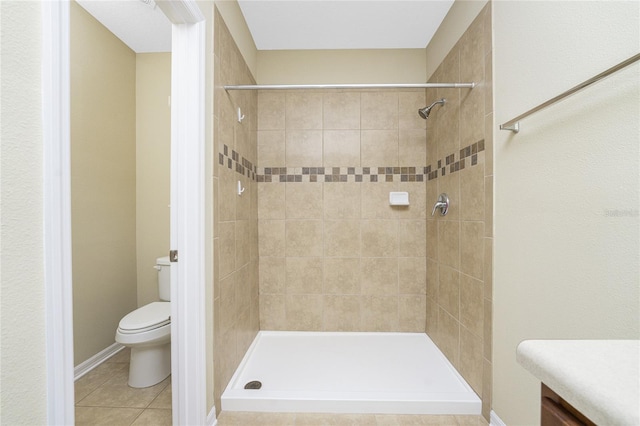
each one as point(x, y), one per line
point(240, 115)
point(240, 188)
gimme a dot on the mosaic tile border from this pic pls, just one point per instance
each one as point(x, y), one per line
point(467, 157)
point(237, 162)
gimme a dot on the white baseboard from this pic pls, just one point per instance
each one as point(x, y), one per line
point(495, 420)
point(88, 365)
point(211, 417)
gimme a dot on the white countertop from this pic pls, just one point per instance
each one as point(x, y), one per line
point(600, 378)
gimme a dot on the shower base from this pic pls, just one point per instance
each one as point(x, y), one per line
point(336, 372)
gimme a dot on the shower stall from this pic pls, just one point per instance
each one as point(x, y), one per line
point(329, 296)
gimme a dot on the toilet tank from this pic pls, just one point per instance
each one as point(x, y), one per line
point(164, 277)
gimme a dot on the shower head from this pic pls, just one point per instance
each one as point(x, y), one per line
point(424, 112)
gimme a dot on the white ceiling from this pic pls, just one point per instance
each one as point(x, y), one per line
point(290, 24)
point(343, 24)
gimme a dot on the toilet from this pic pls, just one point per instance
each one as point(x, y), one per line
point(147, 331)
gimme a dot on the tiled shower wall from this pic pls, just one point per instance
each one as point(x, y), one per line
point(334, 255)
point(236, 314)
point(459, 245)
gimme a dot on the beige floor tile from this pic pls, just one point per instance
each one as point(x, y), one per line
point(105, 416)
point(163, 400)
point(412, 419)
point(96, 377)
point(116, 393)
point(154, 417)
point(122, 356)
point(237, 418)
point(470, 420)
point(328, 419)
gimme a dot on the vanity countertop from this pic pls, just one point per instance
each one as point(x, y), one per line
point(600, 378)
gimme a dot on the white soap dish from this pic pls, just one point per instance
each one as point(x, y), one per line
point(399, 198)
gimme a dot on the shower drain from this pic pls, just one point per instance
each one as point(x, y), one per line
point(253, 385)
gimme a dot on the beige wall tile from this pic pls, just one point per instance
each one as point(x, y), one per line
point(408, 105)
point(227, 195)
point(271, 148)
point(271, 110)
point(449, 243)
point(304, 312)
point(342, 238)
point(488, 268)
point(412, 313)
point(303, 110)
point(341, 110)
point(379, 276)
point(472, 117)
point(472, 193)
point(472, 248)
point(243, 241)
point(488, 206)
point(303, 148)
point(419, 207)
point(243, 202)
point(379, 313)
point(379, 110)
point(487, 386)
point(271, 201)
point(375, 200)
point(472, 305)
point(412, 275)
point(432, 319)
point(228, 303)
point(341, 313)
point(412, 236)
point(273, 312)
point(304, 238)
point(227, 253)
point(303, 200)
point(271, 238)
point(432, 279)
point(412, 147)
point(272, 275)
point(487, 335)
point(432, 239)
point(379, 148)
point(379, 238)
point(470, 364)
point(448, 336)
point(342, 275)
point(304, 275)
point(341, 148)
point(488, 144)
point(449, 290)
point(342, 201)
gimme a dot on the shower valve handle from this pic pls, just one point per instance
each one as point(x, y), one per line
point(442, 204)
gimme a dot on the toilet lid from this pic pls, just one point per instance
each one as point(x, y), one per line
point(147, 317)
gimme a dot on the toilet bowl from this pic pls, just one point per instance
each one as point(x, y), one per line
point(147, 331)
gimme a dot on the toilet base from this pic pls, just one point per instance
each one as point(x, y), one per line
point(149, 365)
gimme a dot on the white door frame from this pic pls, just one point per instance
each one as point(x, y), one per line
point(187, 211)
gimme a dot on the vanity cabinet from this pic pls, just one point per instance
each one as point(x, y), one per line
point(555, 411)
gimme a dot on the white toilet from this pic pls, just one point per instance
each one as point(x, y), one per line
point(147, 331)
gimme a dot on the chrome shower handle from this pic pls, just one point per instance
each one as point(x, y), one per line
point(442, 204)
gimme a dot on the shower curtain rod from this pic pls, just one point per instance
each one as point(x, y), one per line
point(351, 86)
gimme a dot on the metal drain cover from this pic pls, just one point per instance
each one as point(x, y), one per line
point(253, 385)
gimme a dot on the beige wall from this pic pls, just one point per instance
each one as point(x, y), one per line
point(341, 66)
point(234, 20)
point(567, 189)
point(103, 188)
point(333, 254)
point(459, 151)
point(153, 153)
point(23, 393)
point(235, 242)
point(458, 19)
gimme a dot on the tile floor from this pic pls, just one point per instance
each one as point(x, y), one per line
point(103, 397)
point(230, 418)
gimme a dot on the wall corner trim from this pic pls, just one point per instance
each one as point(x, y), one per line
point(494, 420)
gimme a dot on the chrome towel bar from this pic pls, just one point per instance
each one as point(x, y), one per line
point(352, 86)
point(514, 125)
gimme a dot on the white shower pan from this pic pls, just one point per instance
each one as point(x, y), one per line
point(340, 372)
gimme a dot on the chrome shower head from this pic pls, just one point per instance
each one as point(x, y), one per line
point(424, 112)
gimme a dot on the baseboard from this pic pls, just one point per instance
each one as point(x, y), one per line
point(211, 417)
point(88, 365)
point(495, 420)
